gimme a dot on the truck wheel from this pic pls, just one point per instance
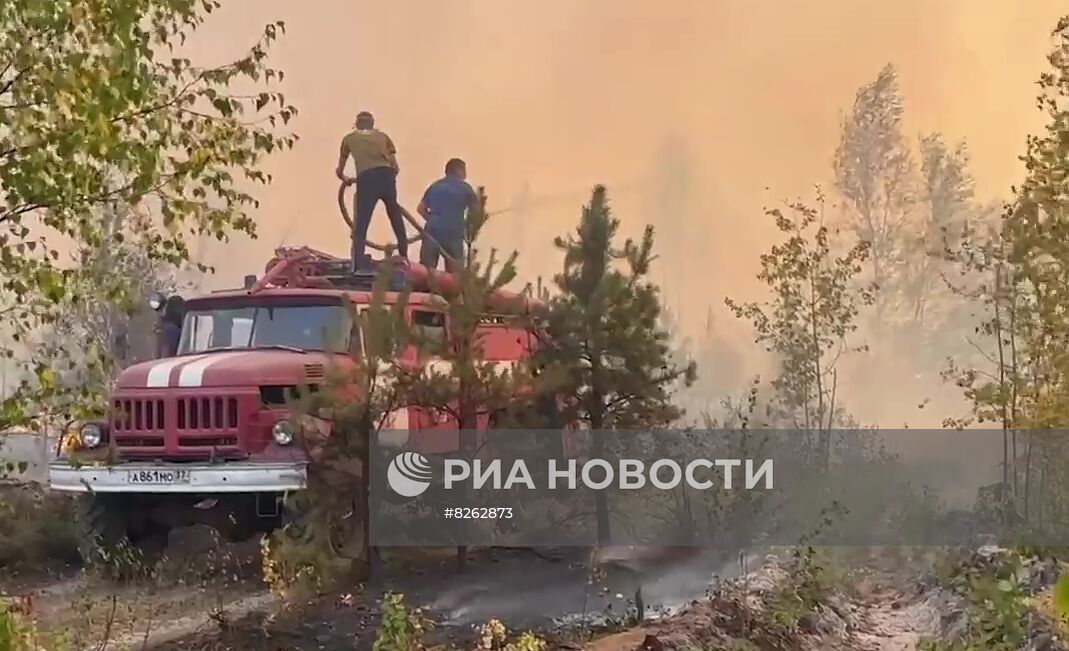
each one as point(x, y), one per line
point(118, 538)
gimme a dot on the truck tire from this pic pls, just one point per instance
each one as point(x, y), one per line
point(118, 538)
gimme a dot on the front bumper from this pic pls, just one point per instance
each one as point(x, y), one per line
point(230, 477)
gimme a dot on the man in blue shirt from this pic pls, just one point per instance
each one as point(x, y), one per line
point(444, 206)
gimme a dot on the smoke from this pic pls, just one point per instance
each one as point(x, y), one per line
point(695, 114)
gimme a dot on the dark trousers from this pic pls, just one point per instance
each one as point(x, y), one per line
point(430, 253)
point(374, 185)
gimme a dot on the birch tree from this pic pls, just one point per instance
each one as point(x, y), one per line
point(96, 110)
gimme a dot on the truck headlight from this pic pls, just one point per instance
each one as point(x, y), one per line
point(92, 435)
point(283, 432)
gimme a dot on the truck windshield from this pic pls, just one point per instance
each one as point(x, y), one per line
point(300, 327)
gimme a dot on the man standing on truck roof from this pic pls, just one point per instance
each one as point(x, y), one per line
point(375, 158)
point(444, 206)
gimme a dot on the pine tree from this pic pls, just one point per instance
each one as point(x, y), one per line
point(462, 387)
point(606, 354)
point(326, 539)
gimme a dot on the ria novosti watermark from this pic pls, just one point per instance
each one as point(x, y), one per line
point(409, 474)
point(719, 488)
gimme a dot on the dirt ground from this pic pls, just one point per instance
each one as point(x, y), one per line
point(202, 578)
point(554, 598)
point(547, 592)
point(225, 606)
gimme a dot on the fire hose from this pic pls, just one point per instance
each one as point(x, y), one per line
point(343, 206)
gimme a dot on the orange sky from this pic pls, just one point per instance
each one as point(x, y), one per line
point(561, 94)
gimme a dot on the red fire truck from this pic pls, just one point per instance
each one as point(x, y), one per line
point(204, 436)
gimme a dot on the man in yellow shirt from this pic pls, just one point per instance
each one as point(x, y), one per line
point(375, 158)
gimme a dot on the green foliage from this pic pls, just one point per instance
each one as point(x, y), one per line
point(1061, 594)
point(999, 609)
point(16, 634)
point(606, 356)
point(466, 387)
point(1054, 605)
point(493, 636)
point(113, 329)
point(813, 309)
point(20, 632)
point(1025, 266)
point(1000, 613)
point(325, 541)
point(607, 353)
point(400, 629)
point(806, 589)
point(463, 387)
point(96, 109)
point(527, 641)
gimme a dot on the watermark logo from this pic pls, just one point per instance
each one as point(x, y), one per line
point(409, 474)
point(627, 474)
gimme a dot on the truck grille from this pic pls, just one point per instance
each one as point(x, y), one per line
point(193, 424)
point(207, 413)
point(206, 421)
point(138, 415)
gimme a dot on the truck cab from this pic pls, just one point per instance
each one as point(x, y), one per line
point(206, 436)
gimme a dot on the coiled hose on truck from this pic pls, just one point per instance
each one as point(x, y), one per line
point(343, 207)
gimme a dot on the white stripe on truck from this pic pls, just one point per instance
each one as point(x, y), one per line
point(160, 374)
point(192, 375)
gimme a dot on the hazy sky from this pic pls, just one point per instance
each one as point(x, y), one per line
point(687, 110)
point(696, 114)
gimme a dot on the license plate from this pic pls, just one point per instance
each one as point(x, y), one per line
point(158, 476)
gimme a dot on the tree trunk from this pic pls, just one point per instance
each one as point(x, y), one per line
point(601, 497)
point(1002, 377)
point(468, 446)
point(1028, 476)
point(371, 553)
point(597, 424)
